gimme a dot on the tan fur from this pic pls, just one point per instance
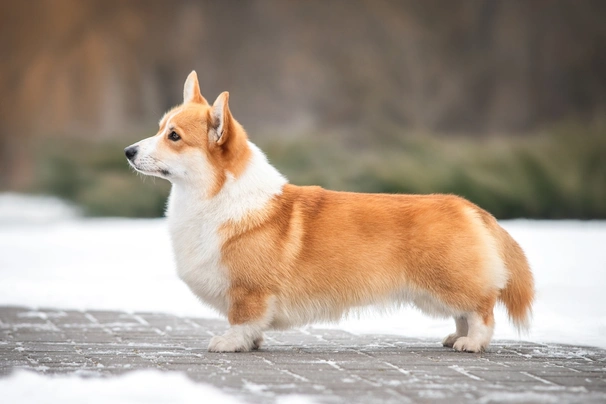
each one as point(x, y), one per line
point(345, 250)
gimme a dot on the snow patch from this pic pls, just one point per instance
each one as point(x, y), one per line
point(295, 399)
point(254, 387)
point(518, 398)
point(144, 386)
point(18, 209)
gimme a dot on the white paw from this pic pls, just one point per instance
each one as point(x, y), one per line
point(229, 343)
point(468, 345)
point(450, 340)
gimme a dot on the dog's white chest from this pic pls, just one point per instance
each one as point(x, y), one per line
point(195, 221)
point(197, 248)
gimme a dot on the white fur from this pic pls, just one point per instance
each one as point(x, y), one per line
point(494, 267)
point(238, 338)
point(170, 118)
point(243, 337)
point(145, 160)
point(172, 114)
point(189, 87)
point(478, 335)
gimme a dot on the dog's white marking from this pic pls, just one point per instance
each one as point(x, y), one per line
point(172, 115)
point(239, 338)
point(189, 88)
point(170, 118)
point(194, 221)
point(243, 337)
point(495, 271)
point(146, 160)
point(478, 336)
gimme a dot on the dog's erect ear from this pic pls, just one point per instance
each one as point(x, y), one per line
point(220, 119)
point(191, 90)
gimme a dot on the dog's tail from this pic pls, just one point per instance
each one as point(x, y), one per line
point(518, 294)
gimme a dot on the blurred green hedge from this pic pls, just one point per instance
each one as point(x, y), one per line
point(557, 174)
point(97, 177)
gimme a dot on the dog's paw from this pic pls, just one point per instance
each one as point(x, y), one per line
point(229, 343)
point(465, 344)
point(450, 340)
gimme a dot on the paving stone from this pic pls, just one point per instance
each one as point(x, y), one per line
point(331, 366)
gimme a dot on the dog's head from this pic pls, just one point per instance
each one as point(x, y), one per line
point(197, 144)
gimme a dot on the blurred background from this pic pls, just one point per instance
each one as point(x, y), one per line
point(500, 101)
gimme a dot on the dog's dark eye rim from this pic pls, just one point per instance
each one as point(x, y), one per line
point(174, 136)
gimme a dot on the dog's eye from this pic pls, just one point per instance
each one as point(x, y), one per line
point(173, 136)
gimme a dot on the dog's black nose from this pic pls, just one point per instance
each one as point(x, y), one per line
point(131, 152)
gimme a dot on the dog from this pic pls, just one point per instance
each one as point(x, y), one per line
point(271, 255)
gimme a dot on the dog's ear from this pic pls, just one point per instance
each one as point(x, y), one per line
point(191, 90)
point(220, 117)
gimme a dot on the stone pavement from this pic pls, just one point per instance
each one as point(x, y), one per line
point(331, 366)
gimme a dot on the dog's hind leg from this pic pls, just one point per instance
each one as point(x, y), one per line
point(461, 331)
point(480, 328)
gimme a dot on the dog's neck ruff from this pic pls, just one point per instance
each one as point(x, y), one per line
point(252, 190)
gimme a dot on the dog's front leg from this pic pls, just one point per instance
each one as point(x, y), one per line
point(250, 313)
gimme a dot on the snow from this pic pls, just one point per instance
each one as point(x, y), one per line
point(528, 397)
point(50, 257)
point(142, 386)
point(18, 209)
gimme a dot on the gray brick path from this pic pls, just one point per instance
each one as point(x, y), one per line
point(329, 365)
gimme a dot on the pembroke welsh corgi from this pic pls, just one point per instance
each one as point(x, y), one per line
point(271, 255)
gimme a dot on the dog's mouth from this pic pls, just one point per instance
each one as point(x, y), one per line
point(158, 172)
